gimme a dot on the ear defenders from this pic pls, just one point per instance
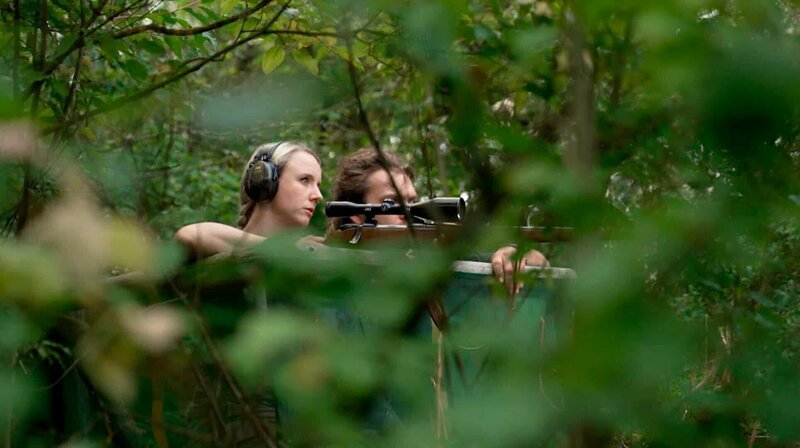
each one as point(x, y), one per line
point(261, 178)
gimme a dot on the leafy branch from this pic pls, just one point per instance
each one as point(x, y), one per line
point(48, 68)
point(175, 77)
point(200, 63)
point(192, 31)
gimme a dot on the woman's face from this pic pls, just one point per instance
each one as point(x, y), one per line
point(298, 190)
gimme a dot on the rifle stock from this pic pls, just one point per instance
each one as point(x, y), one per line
point(443, 233)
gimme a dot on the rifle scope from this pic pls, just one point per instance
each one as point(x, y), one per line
point(447, 209)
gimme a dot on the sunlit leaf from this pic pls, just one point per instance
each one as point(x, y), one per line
point(272, 59)
point(88, 133)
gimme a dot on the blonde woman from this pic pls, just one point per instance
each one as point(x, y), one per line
point(280, 190)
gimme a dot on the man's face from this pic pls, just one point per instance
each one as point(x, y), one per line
point(379, 188)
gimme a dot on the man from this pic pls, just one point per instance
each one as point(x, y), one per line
point(362, 179)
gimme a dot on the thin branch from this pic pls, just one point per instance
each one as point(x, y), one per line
point(309, 33)
point(619, 71)
point(17, 48)
point(39, 60)
point(73, 86)
point(86, 31)
point(542, 333)
point(424, 139)
point(211, 400)
point(44, 31)
point(157, 404)
point(77, 73)
point(434, 307)
point(247, 410)
point(442, 166)
point(371, 20)
point(376, 32)
point(362, 115)
point(580, 151)
point(191, 31)
point(165, 160)
point(441, 398)
point(189, 434)
point(49, 67)
point(114, 15)
point(136, 15)
point(9, 423)
point(64, 374)
point(398, 71)
point(27, 177)
point(188, 5)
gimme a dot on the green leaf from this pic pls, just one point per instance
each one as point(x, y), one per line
point(110, 47)
point(88, 133)
point(307, 60)
point(360, 49)
point(59, 91)
point(169, 19)
point(211, 14)
point(135, 68)
point(261, 338)
point(18, 394)
point(270, 41)
point(151, 46)
point(174, 43)
point(30, 274)
point(169, 259)
point(18, 331)
point(530, 42)
point(46, 113)
point(183, 22)
point(341, 51)
point(272, 59)
point(66, 42)
point(227, 6)
point(200, 40)
point(200, 17)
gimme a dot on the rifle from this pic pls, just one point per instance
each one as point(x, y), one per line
point(437, 220)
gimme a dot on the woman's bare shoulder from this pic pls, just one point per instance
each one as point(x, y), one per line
point(208, 238)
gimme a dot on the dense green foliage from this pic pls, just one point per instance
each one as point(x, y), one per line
point(665, 133)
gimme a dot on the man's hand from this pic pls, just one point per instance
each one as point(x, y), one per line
point(503, 265)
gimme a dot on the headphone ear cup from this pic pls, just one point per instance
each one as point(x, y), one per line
point(261, 183)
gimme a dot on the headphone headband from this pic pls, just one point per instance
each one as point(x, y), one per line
point(267, 154)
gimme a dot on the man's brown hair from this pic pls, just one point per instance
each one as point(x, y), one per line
point(351, 177)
